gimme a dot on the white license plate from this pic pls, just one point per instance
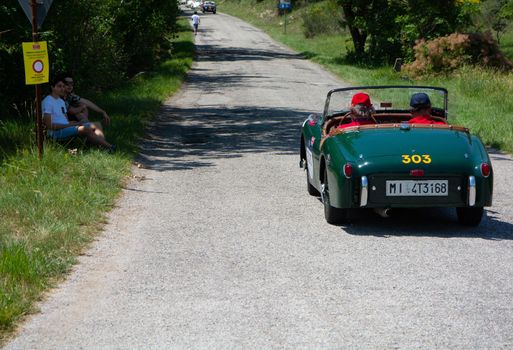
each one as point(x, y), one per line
point(417, 188)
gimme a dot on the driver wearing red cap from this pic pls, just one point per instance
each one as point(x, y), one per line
point(361, 111)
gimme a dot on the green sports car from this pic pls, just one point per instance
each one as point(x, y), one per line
point(393, 161)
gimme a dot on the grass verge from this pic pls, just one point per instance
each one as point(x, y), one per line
point(478, 97)
point(51, 209)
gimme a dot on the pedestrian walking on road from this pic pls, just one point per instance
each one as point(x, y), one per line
point(195, 22)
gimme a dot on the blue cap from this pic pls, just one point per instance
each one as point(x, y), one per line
point(420, 100)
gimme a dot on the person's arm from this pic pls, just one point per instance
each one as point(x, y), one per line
point(95, 108)
point(47, 119)
point(76, 110)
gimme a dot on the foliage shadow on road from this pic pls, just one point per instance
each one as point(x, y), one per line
point(427, 222)
point(217, 82)
point(497, 155)
point(214, 53)
point(187, 138)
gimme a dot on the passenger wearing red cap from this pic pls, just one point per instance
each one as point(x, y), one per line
point(361, 111)
point(361, 98)
point(420, 108)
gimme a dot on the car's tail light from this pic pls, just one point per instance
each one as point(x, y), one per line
point(417, 172)
point(485, 169)
point(348, 170)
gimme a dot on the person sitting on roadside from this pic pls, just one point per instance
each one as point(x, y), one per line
point(361, 111)
point(56, 120)
point(420, 108)
point(78, 107)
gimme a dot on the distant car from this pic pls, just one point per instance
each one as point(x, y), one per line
point(392, 163)
point(209, 6)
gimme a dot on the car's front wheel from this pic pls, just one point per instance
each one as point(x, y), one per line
point(334, 216)
point(469, 216)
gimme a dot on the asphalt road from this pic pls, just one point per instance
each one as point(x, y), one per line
point(216, 244)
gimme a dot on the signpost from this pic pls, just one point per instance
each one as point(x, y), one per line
point(285, 5)
point(41, 8)
point(36, 58)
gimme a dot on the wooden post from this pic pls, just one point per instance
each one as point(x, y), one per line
point(285, 26)
point(397, 64)
point(39, 116)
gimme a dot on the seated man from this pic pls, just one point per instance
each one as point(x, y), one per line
point(420, 108)
point(57, 123)
point(78, 108)
point(361, 111)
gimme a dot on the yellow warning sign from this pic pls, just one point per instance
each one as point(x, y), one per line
point(37, 69)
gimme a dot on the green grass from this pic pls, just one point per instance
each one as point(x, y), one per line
point(478, 98)
point(51, 209)
point(506, 42)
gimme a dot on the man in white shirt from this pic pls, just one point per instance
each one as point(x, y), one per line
point(195, 22)
point(56, 121)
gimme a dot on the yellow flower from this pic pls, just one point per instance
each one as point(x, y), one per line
point(462, 2)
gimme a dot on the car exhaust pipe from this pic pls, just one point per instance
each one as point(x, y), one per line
point(383, 212)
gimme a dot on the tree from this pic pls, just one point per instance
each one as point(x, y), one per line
point(385, 29)
point(497, 14)
point(140, 27)
point(102, 42)
point(14, 29)
point(357, 16)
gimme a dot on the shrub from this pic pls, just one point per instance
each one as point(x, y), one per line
point(447, 53)
point(322, 18)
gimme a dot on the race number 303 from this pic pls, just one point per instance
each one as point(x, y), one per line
point(416, 158)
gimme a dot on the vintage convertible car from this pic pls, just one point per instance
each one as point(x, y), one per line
point(392, 163)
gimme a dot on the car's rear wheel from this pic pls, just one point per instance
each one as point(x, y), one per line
point(334, 216)
point(469, 216)
point(312, 191)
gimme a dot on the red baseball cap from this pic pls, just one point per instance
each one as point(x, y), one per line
point(361, 98)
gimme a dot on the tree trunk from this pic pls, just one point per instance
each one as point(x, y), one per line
point(359, 36)
point(359, 39)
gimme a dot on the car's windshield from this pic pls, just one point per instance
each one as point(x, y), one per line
point(385, 98)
